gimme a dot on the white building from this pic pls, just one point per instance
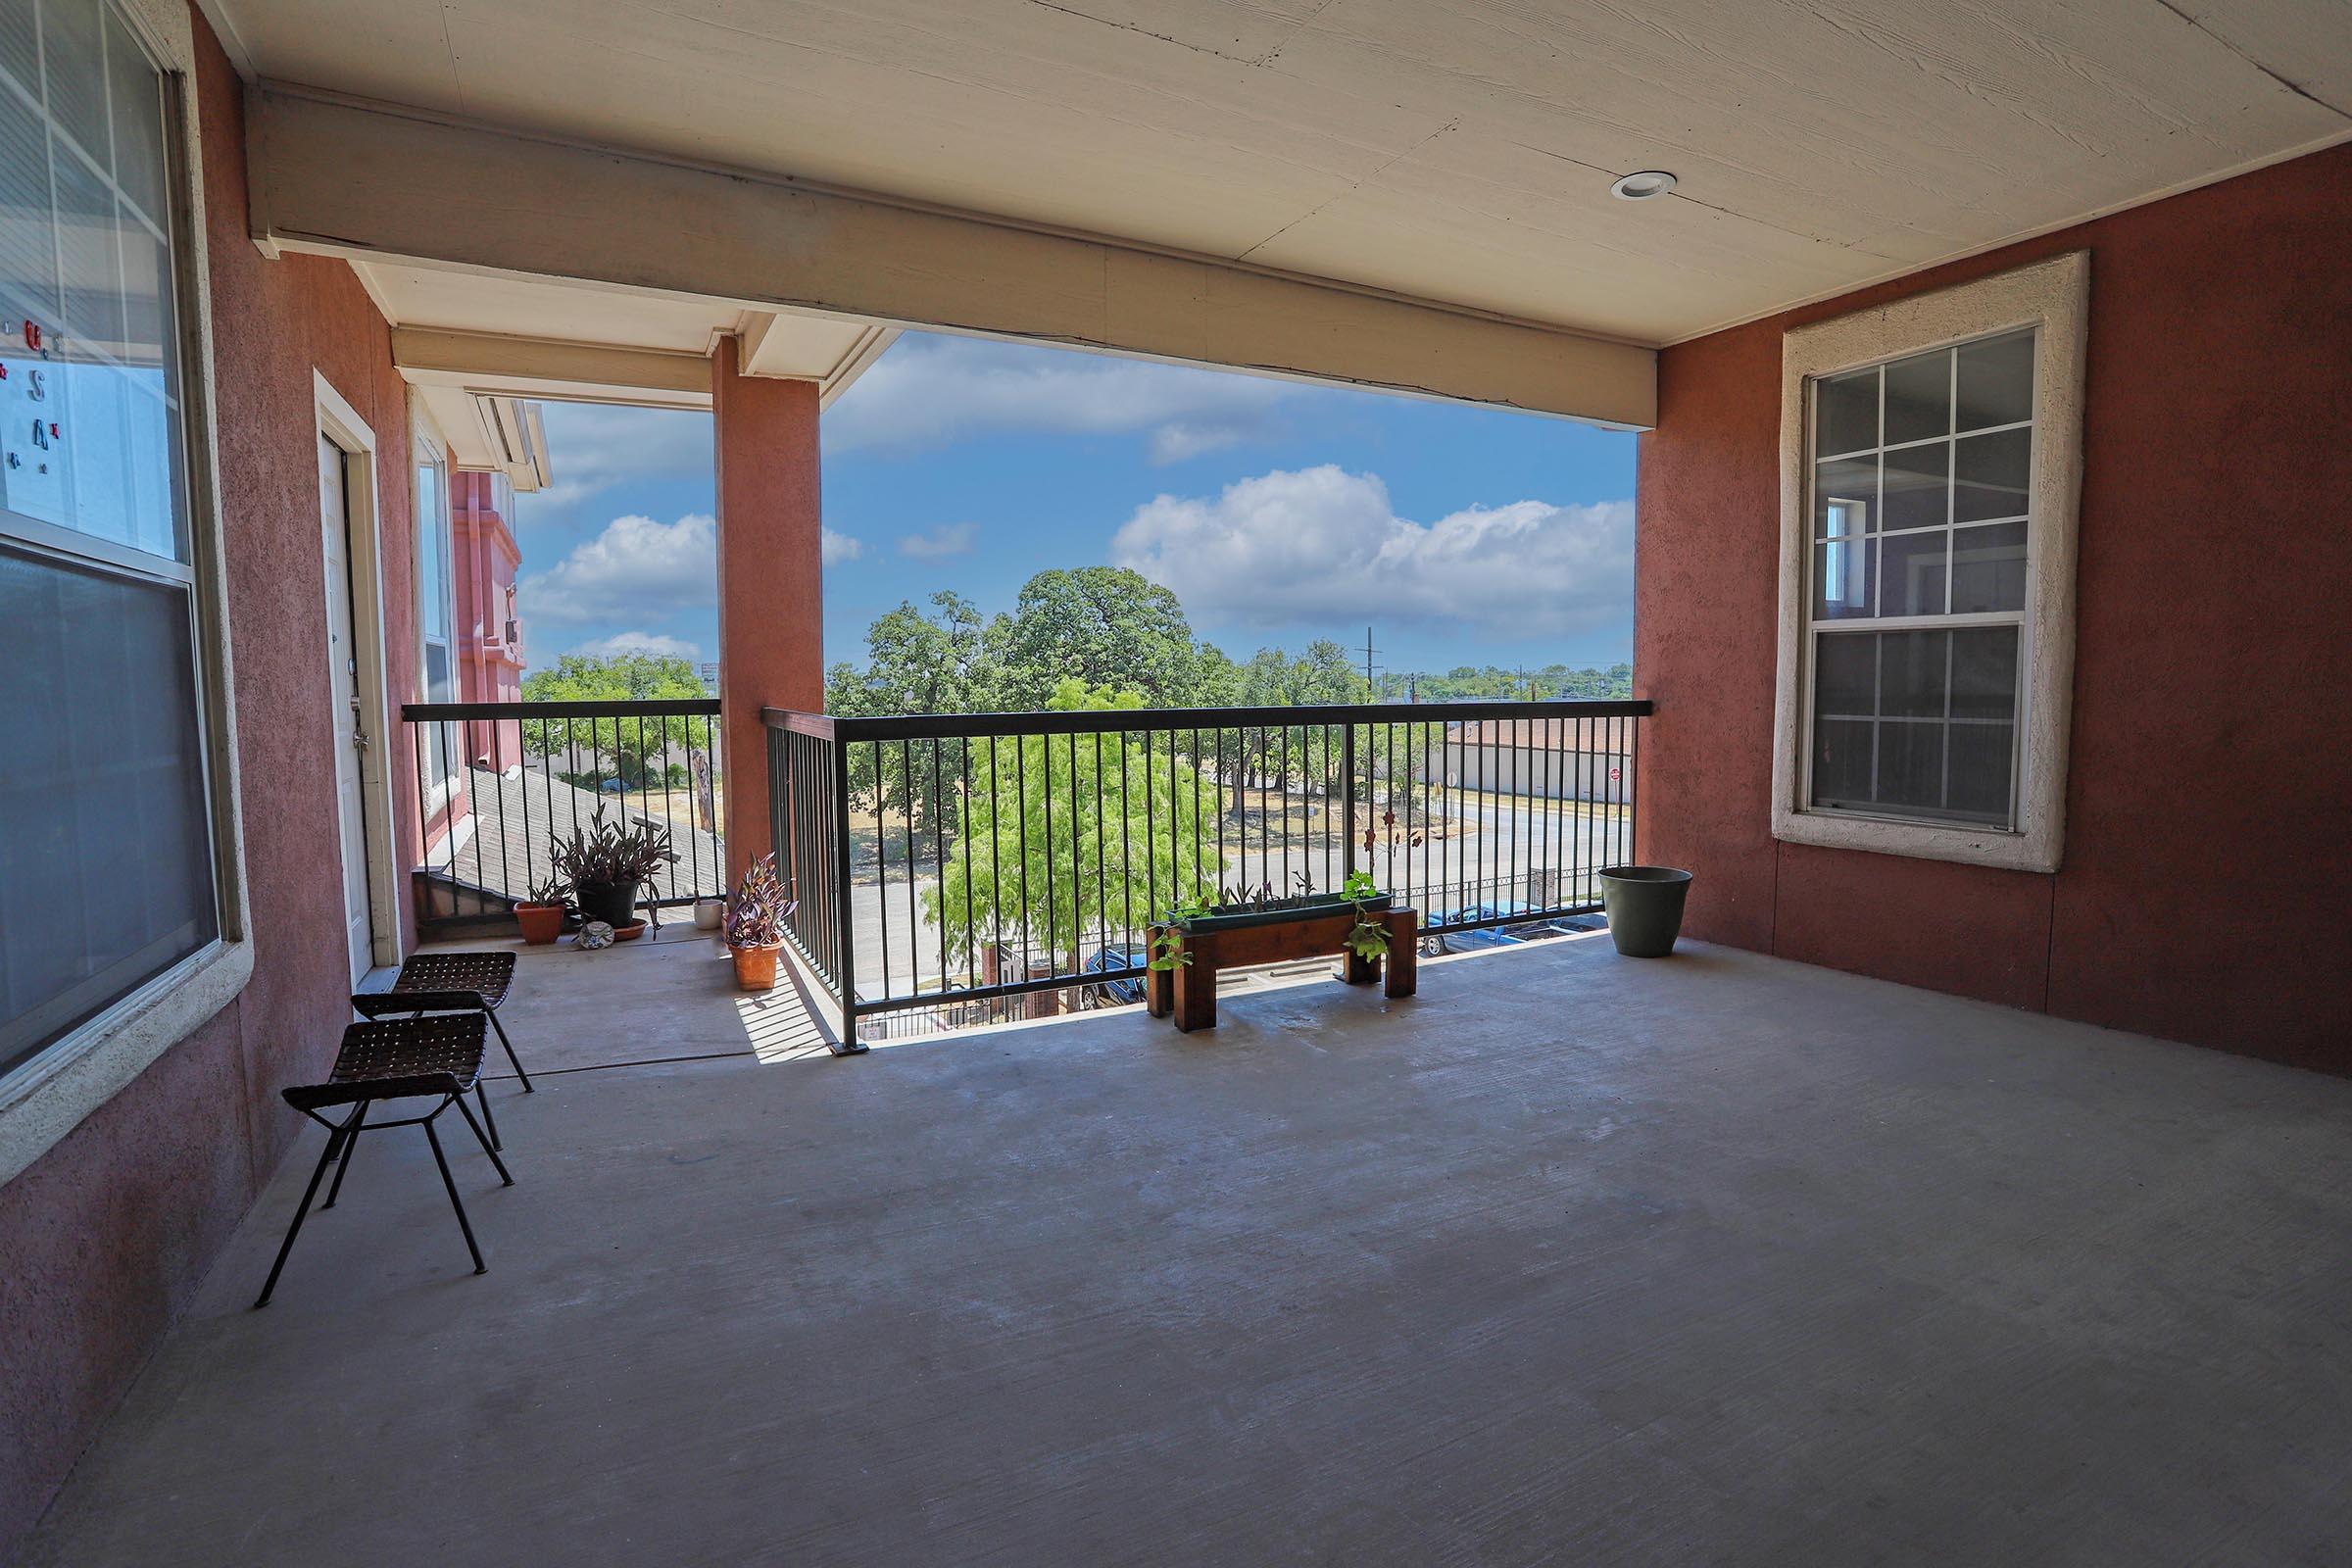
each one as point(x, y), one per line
point(1542, 758)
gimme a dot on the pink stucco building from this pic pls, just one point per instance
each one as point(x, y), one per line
point(489, 653)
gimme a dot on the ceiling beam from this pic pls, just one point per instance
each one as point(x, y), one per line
point(826, 349)
point(346, 178)
point(424, 353)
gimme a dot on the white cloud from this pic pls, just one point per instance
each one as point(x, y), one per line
point(637, 568)
point(948, 539)
point(1288, 546)
point(594, 446)
point(836, 548)
point(927, 391)
point(658, 644)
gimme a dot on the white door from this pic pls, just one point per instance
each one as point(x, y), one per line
point(350, 733)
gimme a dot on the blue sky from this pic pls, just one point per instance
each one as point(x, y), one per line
point(1279, 513)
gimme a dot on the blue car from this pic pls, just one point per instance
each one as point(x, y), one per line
point(1110, 961)
point(1507, 910)
point(1443, 924)
point(1485, 936)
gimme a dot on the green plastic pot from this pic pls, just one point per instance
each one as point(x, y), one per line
point(1644, 904)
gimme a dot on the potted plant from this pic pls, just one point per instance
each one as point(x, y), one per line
point(541, 915)
point(756, 925)
point(1239, 908)
point(607, 862)
point(1242, 927)
point(1645, 905)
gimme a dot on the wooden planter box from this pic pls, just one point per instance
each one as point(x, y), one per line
point(1244, 937)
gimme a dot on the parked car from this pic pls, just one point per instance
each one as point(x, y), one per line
point(1508, 910)
point(1485, 936)
point(1444, 938)
point(1110, 961)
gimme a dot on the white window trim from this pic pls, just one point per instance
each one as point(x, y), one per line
point(427, 444)
point(2054, 297)
point(46, 1098)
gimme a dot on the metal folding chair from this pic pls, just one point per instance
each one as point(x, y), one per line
point(395, 1058)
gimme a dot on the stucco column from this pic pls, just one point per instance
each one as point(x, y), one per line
point(770, 583)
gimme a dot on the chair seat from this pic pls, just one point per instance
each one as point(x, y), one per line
point(487, 975)
point(448, 1043)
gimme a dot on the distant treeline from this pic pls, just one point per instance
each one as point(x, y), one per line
point(1112, 630)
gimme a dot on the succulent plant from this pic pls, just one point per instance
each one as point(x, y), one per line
point(606, 853)
point(755, 919)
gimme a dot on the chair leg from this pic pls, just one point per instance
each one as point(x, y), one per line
point(334, 1147)
point(481, 1091)
point(351, 1141)
point(492, 1014)
point(489, 1145)
point(455, 1202)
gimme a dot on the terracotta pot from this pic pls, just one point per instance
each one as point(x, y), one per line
point(541, 923)
point(756, 967)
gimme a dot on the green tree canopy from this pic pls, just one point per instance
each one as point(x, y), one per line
point(1027, 866)
point(1102, 626)
point(916, 662)
point(919, 662)
point(620, 678)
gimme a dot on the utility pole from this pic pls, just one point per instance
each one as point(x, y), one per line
point(1370, 693)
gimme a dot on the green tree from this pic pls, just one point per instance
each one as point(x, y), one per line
point(1298, 758)
point(1468, 682)
point(916, 662)
point(924, 662)
point(1026, 864)
point(636, 747)
point(1104, 627)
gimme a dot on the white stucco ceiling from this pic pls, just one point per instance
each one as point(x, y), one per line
point(1455, 150)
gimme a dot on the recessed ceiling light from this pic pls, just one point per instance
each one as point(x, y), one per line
point(1642, 186)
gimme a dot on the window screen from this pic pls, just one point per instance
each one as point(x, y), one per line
point(106, 870)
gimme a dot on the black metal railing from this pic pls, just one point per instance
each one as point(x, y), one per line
point(959, 863)
point(809, 821)
point(499, 782)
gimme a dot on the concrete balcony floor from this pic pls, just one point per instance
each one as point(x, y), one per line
point(1572, 1260)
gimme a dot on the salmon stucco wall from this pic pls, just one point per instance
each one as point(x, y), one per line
point(2209, 818)
point(108, 1233)
point(770, 587)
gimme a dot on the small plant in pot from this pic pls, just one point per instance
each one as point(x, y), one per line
point(756, 925)
point(541, 915)
point(607, 862)
point(1367, 939)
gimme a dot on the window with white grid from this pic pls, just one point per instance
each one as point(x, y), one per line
point(1921, 527)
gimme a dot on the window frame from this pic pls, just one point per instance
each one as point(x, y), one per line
point(2051, 297)
point(429, 448)
point(46, 1097)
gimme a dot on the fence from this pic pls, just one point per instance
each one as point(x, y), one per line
point(951, 862)
point(500, 782)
